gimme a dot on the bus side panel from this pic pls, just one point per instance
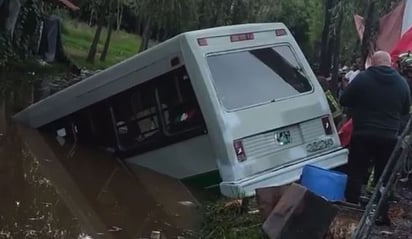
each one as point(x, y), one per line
point(184, 159)
point(209, 105)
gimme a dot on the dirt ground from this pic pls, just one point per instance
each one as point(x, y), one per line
point(400, 214)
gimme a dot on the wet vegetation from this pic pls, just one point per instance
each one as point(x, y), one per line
point(227, 219)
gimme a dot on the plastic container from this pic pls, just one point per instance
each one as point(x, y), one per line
point(325, 183)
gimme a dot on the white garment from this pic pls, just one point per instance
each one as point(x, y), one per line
point(351, 75)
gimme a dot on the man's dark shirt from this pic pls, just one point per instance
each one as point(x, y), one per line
point(377, 98)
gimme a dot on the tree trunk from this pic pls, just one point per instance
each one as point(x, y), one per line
point(164, 36)
point(138, 25)
point(119, 16)
point(4, 14)
point(368, 40)
point(3, 117)
point(108, 38)
point(93, 47)
point(238, 14)
point(91, 18)
point(203, 18)
point(325, 56)
point(14, 11)
point(146, 35)
point(336, 52)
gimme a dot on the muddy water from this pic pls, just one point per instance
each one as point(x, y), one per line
point(53, 191)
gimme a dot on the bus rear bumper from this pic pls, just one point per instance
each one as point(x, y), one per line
point(281, 176)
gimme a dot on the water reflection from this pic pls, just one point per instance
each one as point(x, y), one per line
point(49, 191)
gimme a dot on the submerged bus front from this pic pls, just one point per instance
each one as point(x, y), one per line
point(267, 115)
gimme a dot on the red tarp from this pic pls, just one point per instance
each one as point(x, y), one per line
point(390, 28)
point(345, 133)
point(404, 45)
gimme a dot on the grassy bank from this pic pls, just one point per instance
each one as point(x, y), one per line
point(225, 219)
point(77, 38)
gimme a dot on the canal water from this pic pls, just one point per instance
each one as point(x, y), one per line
point(53, 191)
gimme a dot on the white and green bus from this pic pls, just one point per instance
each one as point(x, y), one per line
point(238, 99)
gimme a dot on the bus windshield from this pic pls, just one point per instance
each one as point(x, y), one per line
point(247, 78)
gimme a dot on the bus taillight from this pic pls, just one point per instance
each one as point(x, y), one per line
point(242, 37)
point(239, 150)
point(202, 41)
point(327, 125)
point(280, 32)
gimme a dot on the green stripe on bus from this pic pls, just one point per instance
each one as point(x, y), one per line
point(204, 180)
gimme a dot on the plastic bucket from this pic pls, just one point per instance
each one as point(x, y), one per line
point(325, 183)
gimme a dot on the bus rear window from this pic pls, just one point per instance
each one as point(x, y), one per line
point(253, 77)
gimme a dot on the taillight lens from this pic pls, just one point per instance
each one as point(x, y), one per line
point(280, 32)
point(327, 126)
point(239, 150)
point(242, 37)
point(202, 42)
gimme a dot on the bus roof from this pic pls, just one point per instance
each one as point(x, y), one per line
point(233, 29)
point(114, 80)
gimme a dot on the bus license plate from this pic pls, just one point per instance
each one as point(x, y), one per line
point(283, 137)
point(319, 145)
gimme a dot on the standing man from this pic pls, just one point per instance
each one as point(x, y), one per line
point(351, 75)
point(378, 98)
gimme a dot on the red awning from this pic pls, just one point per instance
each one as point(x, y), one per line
point(70, 5)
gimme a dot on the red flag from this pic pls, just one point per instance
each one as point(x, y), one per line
point(404, 45)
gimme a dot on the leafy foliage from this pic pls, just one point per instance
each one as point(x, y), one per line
point(7, 52)
point(23, 44)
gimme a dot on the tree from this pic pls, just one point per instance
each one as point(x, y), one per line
point(326, 56)
point(4, 14)
point(171, 16)
point(108, 38)
point(102, 10)
point(336, 45)
point(14, 11)
point(119, 13)
point(368, 39)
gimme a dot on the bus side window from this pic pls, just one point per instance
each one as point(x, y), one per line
point(157, 113)
point(145, 113)
point(135, 118)
point(178, 100)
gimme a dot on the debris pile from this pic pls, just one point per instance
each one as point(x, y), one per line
point(295, 212)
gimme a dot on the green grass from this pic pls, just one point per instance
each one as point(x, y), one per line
point(77, 38)
point(228, 222)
